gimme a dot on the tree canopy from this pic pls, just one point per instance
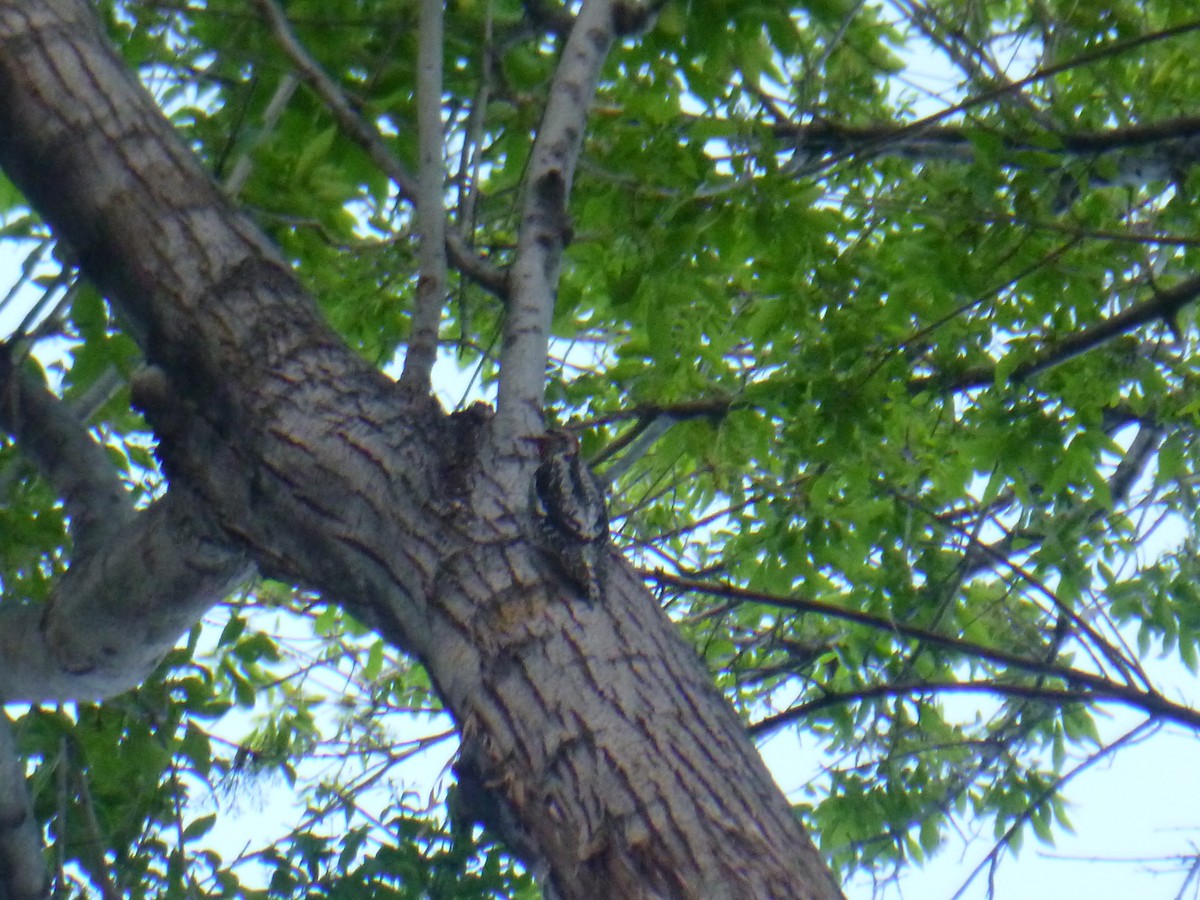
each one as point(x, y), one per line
point(875, 319)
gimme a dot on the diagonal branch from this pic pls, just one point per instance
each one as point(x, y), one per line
point(1163, 306)
point(544, 231)
point(461, 256)
point(1083, 686)
point(431, 213)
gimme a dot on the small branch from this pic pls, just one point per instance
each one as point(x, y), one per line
point(1098, 688)
point(471, 155)
point(22, 869)
point(1132, 736)
point(1128, 667)
point(469, 180)
point(642, 437)
point(431, 214)
point(1133, 463)
point(279, 100)
point(715, 408)
point(1096, 54)
point(823, 143)
point(1163, 306)
point(1059, 696)
point(460, 254)
point(913, 343)
point(544, 231)
point(97, 841)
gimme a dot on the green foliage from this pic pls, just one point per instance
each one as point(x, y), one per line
point(889, 427)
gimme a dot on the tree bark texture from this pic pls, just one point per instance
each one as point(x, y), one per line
point(616, 768)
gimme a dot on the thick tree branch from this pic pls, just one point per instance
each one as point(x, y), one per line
point(117, 611)
point(137, 580)
point(545, 227)
point(460, 254)
point(431, 214)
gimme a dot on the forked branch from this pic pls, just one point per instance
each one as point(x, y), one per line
point(461, 256)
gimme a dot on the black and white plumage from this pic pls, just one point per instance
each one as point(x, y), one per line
point(568, 507)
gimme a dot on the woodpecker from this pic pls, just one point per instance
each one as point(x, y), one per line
point(568, 507)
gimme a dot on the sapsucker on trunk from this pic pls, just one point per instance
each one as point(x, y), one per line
point(568, 506)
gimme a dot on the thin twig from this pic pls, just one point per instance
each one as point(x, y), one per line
point(270, 118)
point(991, 860)
point(1100, 689)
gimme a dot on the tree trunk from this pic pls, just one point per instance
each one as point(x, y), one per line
point(609, 761)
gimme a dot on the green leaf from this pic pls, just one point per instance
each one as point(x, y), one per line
point(197, 828)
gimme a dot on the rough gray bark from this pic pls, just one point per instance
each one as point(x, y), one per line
point(618, 770)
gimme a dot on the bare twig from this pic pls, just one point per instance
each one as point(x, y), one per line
point(1132, 736)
